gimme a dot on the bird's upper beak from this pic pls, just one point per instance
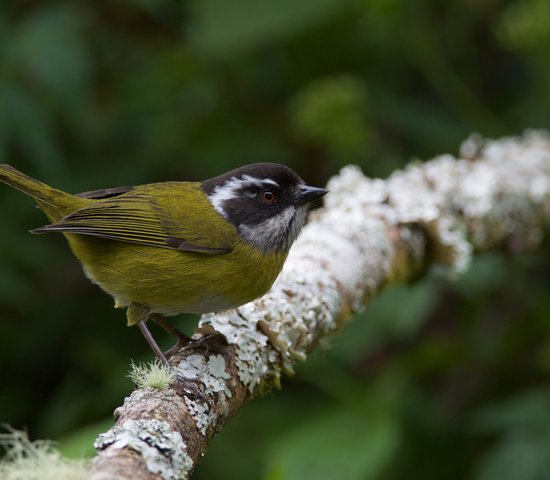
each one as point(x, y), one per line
point(307, 194)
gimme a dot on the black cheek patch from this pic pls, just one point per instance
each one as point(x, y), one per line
point(249, 211)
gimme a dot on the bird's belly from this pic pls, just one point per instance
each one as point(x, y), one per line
point(172, 282)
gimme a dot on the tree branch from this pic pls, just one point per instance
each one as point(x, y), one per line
point(369, 234)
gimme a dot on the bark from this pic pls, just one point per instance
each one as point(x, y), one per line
point(370, 233)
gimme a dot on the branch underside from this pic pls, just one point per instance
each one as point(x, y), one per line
point(370, 233)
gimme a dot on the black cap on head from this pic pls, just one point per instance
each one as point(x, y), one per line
point(281, 174)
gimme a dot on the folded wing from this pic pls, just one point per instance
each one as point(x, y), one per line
point(134, 217)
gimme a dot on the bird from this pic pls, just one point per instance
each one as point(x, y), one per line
point(165, 248)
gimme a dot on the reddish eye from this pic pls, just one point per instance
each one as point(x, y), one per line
point(268, 197)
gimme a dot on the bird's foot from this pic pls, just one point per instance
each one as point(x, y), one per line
point(210, 342)
point(210, 339)
point(182, 343)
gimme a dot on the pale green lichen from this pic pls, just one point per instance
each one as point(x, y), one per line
point(38, 460)
point(151, 375)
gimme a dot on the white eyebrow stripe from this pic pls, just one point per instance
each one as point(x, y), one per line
point(270, 181)
point(257, 182)
point(229, 189)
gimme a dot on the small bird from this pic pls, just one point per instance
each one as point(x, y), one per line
point(166, 248)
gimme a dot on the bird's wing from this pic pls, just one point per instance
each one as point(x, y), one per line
point(105, 193)
point(134, 215)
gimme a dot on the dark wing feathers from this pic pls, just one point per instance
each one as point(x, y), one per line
point(133, 219)
point(183, 245)
point(105, 193)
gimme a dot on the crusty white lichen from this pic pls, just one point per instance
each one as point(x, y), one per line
point(211, 376)
point(281, 325)
point(162, 448)
point(499, 190)
point(252, 356)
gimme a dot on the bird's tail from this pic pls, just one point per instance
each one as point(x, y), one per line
point(55, 203)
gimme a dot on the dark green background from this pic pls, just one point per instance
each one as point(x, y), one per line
point(435, 380)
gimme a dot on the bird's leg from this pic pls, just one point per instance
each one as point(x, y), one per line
point(151, 341)
point(137, 314)
point(210, 338)
point(168, 327)
point(183, 340)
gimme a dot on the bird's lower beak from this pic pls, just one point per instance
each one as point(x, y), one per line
point(308, 194)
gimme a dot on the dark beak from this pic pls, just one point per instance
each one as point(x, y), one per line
point(308, 194)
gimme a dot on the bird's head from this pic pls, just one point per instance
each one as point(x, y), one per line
point(266, 202)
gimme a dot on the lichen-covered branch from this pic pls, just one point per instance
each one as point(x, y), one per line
point(369, 233)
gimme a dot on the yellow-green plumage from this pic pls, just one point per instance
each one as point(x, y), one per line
point(175, 247)
point(134, 265)
point(54, 203)
point(170, 281)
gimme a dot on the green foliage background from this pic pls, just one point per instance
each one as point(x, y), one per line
point(437, 379)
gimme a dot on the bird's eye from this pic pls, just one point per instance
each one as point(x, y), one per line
point(268, 197)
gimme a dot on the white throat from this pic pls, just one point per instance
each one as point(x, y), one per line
point(277, 232)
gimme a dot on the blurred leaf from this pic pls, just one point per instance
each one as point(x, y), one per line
point(528, 410)
point(487, 273)
point(516, 458)
point(525, 25)
point(339, 443)
point(46, 71)
point(521, 451)
point(32, 128)
point(332, 113)
point(225, 26)
point(382, 321)
point(47, 49)
point(80, 443)
point(13, 286)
